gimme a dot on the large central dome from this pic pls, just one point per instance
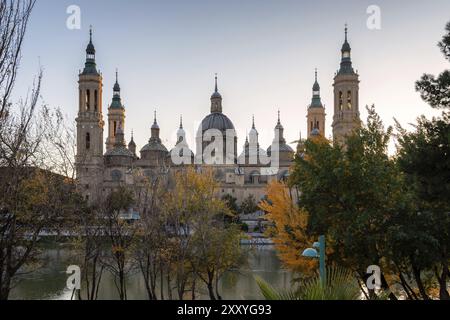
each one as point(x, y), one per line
point(217, 121)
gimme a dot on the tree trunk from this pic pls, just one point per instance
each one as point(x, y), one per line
point(443, 293)
point(211, 291)
point(416, 273)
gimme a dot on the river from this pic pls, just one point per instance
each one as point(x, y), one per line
point(48, 282)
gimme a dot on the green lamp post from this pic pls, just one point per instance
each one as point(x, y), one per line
point(312, 253)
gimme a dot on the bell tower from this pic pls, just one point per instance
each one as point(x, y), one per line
point(316, 111)
point(89, 158)
point(116, 115)
point(346, 96)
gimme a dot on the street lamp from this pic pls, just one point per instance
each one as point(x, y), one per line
point(312, 253)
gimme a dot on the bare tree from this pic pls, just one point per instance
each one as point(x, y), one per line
point(121, 234)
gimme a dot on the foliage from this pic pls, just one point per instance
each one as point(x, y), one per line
point(231, 203)
point(289, 228)
point(249, 205)
point(341, 285)
point(434, 90)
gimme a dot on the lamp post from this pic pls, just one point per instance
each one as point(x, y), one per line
point(312, 253)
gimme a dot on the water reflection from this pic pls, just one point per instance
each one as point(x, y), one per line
point(49, 282)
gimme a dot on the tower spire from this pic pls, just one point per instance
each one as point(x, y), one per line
point(346, 31)
point(346, 61)
point(217, 87)
point(155, 122)
point(181, 122)
point(253, 122)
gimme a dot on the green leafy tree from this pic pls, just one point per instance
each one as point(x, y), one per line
point(424, 157)
point(249, 205)
point(351, 194)
point(435, 90)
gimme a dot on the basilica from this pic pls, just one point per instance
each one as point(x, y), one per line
point(103, 165)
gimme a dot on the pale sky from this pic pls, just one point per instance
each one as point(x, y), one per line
point(264, 51)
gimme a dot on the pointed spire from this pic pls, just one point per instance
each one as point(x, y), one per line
point(117, 75)
point(90, 65)
point(217, 87)
point(181, 122)
point(279, 117)
point(346, 31)
point(253, 122)
point(216, 99)
point(316, 101)
point(346, 62)
point(155, 121)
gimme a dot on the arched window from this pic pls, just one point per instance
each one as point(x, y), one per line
point(88, 141)
point(96, 100)
point(115, 128)
point(88, 100)
point(341, 101)
point(349, 100)
point(317, 125)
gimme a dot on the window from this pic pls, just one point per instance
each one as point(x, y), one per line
point(96, 100)
point(88, 99)
point(341, 102)
point(317, 125)
point(349, 100)
point(88, 141)
point(115, 128)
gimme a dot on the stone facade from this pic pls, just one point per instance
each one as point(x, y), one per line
point(238, 175)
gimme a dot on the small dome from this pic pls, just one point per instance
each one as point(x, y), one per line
point(217, 121)
point(315, 132)
point(116, 87)
point(283, 148)
point(132, 143)
point(154, 146)
point(120, 151)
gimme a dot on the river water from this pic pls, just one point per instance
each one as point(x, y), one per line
point(48, 283)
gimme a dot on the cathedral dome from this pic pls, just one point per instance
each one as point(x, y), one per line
point(154, 145)
point(283, 147)
point(217, 121)
point(119, 151)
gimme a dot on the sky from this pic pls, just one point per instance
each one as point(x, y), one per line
point(264, 51)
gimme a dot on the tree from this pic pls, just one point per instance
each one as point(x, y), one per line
point(289, 229)
point(32, 201)
point(249, 205)
point(423, 155)
point(351, 194)
point(88, 228)
point(231, 203)
point(434, 90)
point(200, 235)
point(121, 234)
point(152, 237)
